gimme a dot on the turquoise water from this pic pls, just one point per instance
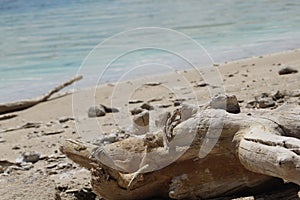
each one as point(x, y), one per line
point(44, 42)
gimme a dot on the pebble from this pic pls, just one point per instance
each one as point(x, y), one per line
point(287, 70)
point(164, 105)
point(16, 147)
point(136, 111)
point(109, 109)
point(225, 102)
point(64, 165)
point(176, 103)
point(155, 99)
point(266, 102)
point(26, 166)
point(52, 165)
point(277, 95)
point(2, 140)
point(31, 157)
point(96, 111)
point(65, 119)
point(153, 83)
point(53, 132)
point(105, 139)
point(142, 119)
point(147, 106)
point(201, 84)
point(134, 101)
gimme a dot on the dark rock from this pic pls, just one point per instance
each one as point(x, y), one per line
point(136, 111)
point(142, 119)
point(135, 101)
point(65, 119)
point(147, 106)
point(96, 111)
point(201, 84)
point(266, 102)
point(155, 99)
point(152, 83)
point(225, 102)
point(278, 95)
point(251, 104)
point(16, 148)
point(287, 70)
point(53, 132)
point(109, 109)
point(164, 105)
point(141, 123)
point(176, 103)
point(32, 157)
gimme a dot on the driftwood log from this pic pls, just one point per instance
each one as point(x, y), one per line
point(210, 153)
point(27, 103)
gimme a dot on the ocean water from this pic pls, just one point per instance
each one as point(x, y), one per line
point(44, 42)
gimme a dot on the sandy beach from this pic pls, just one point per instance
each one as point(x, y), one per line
point(44, 127)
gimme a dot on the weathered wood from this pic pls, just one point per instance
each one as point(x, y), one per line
point(209, 154)
point(27, 103)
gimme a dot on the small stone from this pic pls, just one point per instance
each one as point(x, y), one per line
point(147, 106)
point(155, 99)
point(64, 165)
point(31, 157)
point(141, 123)
point(201, 84)
point(176, 103)
point(287, 70)
point(277, 95)
point(52, 165)
point(65, 119)
point(65, 126)
point(142, 119)
point(134, 101)
point(16, 148)
point(226, 102)
point(109, 109)
point(164, 105)
point(136, 111)
point(2, 140)
point(26, 166)
point(152, 83)
point(53, 132)
point(266, 102)
point(96, 111)
point(280, 101)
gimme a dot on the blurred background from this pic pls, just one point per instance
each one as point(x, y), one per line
point(44, 42)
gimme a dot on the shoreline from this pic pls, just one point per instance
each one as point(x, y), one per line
point(55, 122)
point(88, 85)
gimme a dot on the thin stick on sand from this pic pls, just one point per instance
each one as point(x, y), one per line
point(27, 103)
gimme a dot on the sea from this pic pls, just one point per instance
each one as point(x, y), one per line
point(46, 42)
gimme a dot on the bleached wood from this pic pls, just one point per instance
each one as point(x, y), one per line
point(211, 154)
point(27, 103)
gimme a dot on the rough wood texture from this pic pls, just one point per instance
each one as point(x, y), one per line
point(24, 104)
point(209, 154)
